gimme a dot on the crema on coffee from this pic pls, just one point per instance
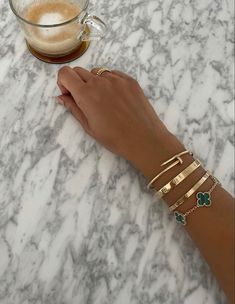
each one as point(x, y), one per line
point(56, 40)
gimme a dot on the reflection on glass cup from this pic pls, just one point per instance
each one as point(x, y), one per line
point(56, 29)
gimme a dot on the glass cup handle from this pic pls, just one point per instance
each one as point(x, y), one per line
point(97, 28)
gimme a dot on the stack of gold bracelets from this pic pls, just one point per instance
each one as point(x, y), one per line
point(202, 199)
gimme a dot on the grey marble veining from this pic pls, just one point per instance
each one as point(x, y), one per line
point(77, 225)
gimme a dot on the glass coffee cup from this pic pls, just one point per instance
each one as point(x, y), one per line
point(57, 31)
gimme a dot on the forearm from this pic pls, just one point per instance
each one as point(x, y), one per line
point(212, 229)
point(113, 109)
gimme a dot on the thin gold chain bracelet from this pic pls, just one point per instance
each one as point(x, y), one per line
point(190, 192)
point(203, 200)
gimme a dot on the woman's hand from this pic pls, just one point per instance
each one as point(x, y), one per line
point(113, 109)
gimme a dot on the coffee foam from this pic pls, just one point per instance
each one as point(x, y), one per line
point(53, 40)
point(49, 19)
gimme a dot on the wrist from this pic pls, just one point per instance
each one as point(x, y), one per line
point(154, 151)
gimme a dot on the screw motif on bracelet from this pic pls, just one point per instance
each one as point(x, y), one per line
point(178, 160)
point(178, 179)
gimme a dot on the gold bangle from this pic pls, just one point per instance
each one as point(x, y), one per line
point(190, 192)
point(178, 179)
point(203, 199)
point(178, 161)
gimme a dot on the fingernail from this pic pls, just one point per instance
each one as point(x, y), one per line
point(60, 101)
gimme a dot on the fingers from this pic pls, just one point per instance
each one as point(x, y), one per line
point(68, 80)
point(62, 89)
point(68, 102)
point(83, 73)
point(121, 74)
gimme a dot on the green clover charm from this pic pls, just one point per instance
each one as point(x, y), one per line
point(203, 199)
point(180, 218)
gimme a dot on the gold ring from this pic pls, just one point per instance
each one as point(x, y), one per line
point(102, 70)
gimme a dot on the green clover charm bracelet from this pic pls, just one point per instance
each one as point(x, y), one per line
point(203, 200)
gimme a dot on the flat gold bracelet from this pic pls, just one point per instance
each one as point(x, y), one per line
point(178, 179)
point(178, 161)
point(203, 200)
point(190, 192)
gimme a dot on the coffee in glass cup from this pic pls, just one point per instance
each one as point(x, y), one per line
point(57, 31)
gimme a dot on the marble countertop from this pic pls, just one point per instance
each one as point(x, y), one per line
point(77, 225)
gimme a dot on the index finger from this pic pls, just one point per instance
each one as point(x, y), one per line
point(69, 81)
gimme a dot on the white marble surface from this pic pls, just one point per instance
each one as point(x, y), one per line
point(77, 225)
